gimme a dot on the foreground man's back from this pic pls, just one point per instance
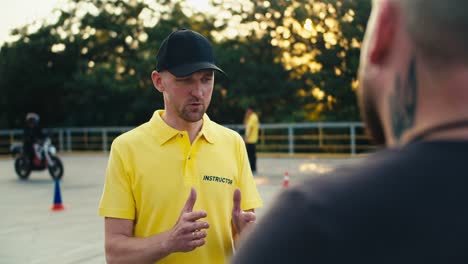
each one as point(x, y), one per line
point(406, 204)
point(399, 209)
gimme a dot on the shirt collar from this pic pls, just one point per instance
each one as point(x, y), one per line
point(164, 132)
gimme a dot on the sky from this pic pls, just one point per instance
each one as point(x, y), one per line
point(16, 13)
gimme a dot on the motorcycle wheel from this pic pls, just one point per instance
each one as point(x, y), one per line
point(22, 168)
point(56, 171)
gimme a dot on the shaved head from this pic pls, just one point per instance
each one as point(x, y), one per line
point(414, 53)
point(439, 28)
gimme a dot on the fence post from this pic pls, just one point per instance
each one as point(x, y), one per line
point(353, 139)
point(320, 136)
point(291, 139)
point(61, 139)
point(85, 137)
point(262, 137)
point(104, 140)
point(12, 137)
point(69, 143)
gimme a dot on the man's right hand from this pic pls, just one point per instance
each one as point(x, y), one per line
point(188, 233)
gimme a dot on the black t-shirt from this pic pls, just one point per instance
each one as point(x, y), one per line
point(32, 134)
point(397, 206)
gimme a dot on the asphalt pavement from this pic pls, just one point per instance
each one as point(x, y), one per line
point(31, 233)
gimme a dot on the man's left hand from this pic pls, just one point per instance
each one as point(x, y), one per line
point(241, 219)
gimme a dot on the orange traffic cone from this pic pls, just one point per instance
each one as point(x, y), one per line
point(286, 180)
point(58, 206)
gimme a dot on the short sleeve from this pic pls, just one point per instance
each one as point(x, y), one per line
point(117, 199)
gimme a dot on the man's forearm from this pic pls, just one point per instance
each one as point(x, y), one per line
point(125, 249)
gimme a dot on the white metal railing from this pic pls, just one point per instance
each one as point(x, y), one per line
point(339, 137)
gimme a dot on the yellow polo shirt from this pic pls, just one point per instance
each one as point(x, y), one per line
point(251, 129)
point(152, 168)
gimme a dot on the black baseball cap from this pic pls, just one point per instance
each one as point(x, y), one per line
point(184, 52)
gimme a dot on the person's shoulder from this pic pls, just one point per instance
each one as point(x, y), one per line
point(255, 116)
point(223, 131)
point(252, 118)
point(361, 179)
point(403, 167)
point(131, 136)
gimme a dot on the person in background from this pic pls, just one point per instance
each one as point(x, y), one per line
point(173, 185)
point(32, 137)
point(407, 203)
point(252, 125)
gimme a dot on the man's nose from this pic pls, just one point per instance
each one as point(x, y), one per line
point(197, 90)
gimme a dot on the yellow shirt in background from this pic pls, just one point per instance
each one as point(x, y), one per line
point(152, 168)
point(251, 129)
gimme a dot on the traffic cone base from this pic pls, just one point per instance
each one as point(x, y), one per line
point(286, 180)
point(57, 206)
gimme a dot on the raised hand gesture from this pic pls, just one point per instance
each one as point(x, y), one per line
point(240, 219)
point(189, 232)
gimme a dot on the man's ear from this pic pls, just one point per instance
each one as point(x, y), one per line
point(157, 81)
point(385, 30)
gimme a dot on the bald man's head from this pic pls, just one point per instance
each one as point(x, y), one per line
point(439, 28)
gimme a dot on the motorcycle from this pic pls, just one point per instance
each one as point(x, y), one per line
point(47, 160)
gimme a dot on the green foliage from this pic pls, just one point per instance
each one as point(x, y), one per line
point(93, 68)
point(328, 33)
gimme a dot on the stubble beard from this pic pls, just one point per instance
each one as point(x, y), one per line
point(192, 116)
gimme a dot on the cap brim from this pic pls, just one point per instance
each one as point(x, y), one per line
point(187, 69)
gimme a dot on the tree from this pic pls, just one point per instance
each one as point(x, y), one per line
point(91, 67)
point(296, 60)
point(319, 43)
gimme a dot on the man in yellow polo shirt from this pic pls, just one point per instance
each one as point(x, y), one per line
point(251, 136)
point(173, 185)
